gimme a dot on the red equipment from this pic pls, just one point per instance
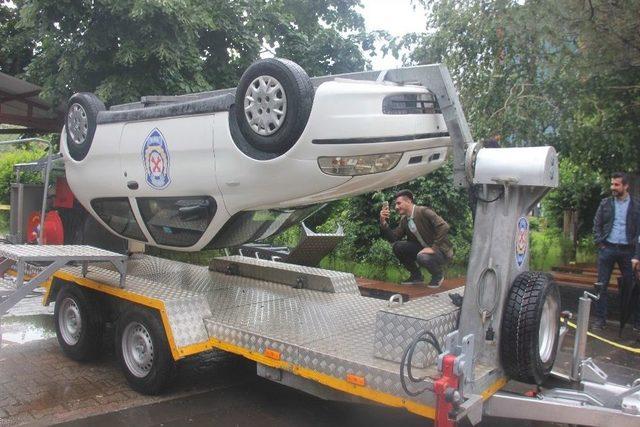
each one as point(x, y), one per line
point(53, 229)
point(446, 384)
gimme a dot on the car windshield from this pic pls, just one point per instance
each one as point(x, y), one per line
point(253, 226)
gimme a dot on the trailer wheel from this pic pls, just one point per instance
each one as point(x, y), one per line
point(273, 104)
point(78, 322)
point(143, 351)
point(80, 123)
point(530, 327)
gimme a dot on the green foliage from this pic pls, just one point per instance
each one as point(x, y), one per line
point(547, 247)
point(290, 237)
point(360, 218)
point(123, 49)
point(7, 160)
point(586, 252)
point(4, 223)
point(543, 72)
point(545, 250)
point(17, 45)
point(580, 189)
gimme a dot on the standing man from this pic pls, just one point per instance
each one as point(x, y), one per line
point(615, 232)
point(426, 241)
point(635, 265)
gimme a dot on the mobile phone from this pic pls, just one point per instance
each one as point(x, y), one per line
point(385, 205)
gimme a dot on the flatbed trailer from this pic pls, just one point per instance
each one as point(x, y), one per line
point(323, 331)
point(309, 328)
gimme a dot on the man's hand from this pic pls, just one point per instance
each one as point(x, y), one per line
point(384, 216)
point(635, 264)
point(428, 251)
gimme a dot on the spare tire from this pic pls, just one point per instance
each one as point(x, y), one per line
point(530, 327)
point(273, 103)
point(80, 123)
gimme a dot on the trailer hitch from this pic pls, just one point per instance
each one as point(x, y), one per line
point(456, 366)
point(448, 397)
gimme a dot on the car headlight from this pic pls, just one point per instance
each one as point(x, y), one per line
point(358, 165)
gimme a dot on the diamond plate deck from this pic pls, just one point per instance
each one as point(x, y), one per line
point(397, 326)
point(47, 260)
point(329, 333)
point(315, 278)
point(54, 252)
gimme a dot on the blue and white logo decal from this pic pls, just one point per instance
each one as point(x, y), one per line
point(155, 157)
point(522, 241)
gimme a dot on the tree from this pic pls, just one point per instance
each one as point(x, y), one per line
point(545, 72)
point(601, 43)
point(123, 49)
point(580, 190)
point(17, 46)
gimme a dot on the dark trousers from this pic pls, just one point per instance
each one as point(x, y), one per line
point(607, 257)
point(407, 253)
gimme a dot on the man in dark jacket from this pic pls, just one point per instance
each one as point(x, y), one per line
point(615, 230)
point(635, 265)
point(426, 241)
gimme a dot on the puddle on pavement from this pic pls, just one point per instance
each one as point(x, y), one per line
point(24, 329)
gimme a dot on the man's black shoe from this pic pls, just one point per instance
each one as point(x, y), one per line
point(414, 279)
point(436, 282)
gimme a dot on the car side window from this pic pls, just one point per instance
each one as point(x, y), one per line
point(177, 221)
point(117, 214)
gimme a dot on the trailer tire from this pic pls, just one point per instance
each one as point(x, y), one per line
point(272, 122)
point(81, 123)
point(530, 327)
point(143, 351)
point(79, 323)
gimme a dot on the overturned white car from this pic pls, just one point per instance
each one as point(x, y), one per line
point(218, 170)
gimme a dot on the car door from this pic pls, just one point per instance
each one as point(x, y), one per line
point(168, 174)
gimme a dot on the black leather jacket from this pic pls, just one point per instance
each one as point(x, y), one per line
point(603, 222)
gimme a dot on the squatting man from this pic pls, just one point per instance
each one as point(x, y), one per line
point(426, 244)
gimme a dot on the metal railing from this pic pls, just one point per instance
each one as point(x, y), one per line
point(47, 172)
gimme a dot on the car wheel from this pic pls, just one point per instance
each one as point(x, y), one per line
point(273, 103)
point(143, 351)
point(78, 323)
point(530, 327)
point(80, 123)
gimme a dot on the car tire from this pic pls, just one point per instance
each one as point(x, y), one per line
point(273, 103)
point(143, 351)
point(530, 327)
point(80, 123)
point(79, 324)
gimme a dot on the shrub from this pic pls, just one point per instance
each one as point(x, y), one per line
point(548, 247)
point(7, 160)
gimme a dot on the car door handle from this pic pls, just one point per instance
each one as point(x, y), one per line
point(132, 185)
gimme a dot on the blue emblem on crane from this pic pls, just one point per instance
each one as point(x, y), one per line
point(522, 241)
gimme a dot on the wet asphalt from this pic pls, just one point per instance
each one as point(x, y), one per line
point(236, 396)
point(253, 401)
